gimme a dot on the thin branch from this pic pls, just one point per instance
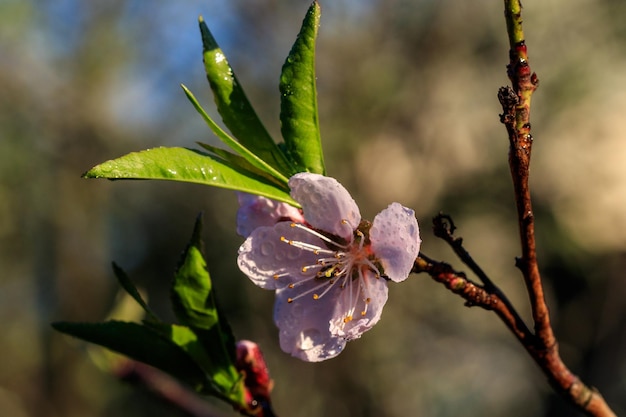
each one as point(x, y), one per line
point(165, 387)
point(516, 102)
point(516, 118)
point(443, 228)
point(474, 295)
point(559, 376)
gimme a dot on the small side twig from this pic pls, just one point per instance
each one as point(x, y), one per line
point(443, 228)
point(474, 295)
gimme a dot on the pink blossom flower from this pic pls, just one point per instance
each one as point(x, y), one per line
point(330, 271)
point(256, 211)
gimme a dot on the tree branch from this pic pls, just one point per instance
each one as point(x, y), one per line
point(516, 117)
point(474, 295)
point(516, 102)
point(559, 376)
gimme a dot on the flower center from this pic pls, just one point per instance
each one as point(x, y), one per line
point(339, 263)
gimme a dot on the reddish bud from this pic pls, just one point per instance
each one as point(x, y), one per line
point(257, 379)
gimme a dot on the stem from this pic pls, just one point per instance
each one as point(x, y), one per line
point(165, 387)
point(474, 295)
point(564, 382)
point(520, 141)
point(516, 118)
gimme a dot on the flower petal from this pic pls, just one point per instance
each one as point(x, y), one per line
point(396, 240)
point(256, 211)
point(325, 203)
point(303, 327)
point(263, 256)
point(369, 295)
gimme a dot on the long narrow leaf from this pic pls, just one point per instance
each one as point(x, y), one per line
point(140, 343)
point(181, 164)
point(232, 143)
point(298, 106)
point(238, 161)
point(233, 105)
point(130, 288)
point(224, 378)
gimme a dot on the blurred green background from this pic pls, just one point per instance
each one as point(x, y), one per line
point(408, 108)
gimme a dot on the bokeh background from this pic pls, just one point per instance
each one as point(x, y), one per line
point(408, 108)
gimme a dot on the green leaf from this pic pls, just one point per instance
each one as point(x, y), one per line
point(130, 288)
point(233, 105)
point(224, 377)
point(230, 157)
point(181, 164)
point(195, 306)
point(142, 344)
point(232, 143)
point(298, 105)
point(191, 289)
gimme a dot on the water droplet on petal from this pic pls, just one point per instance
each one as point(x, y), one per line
point(267, 248)
point(308, 338)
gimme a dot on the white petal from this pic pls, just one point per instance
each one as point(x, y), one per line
point(371, 287)
point(325, 203)
point(263, 256)
point(396, 240)
point(303, 327)
point(256, 211)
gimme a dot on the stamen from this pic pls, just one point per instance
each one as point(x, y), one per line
point(345, 222)
point(317, 234)
point(372, 267)
point(331, 284)
point(361, 239)
point(277, 276)
point(307, 246)
point(309, 291)
point(351, 267)
point(367, 302)
point(350, 294)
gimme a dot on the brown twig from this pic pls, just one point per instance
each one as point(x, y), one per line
point(165, 387)
point(474, 295)
point(516, 117)
point(565, 382)
point(516, 102)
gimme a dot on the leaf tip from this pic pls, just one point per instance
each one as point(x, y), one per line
point(92, 173)
point(197, 230)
